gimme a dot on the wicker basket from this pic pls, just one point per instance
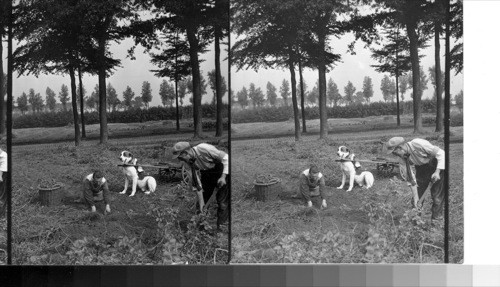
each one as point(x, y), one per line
point(50, 196)
point(267, 191)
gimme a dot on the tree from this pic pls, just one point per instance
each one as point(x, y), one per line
point(359, 98)
point(305, 94)
point(212, 81)
point(349, 91)
point(146, 93)
point(333, 93)
point(386, 88)
point(195, 19)
point(256, 96)
point(128, 96)
point(167, 93)
point(203, 87)
point(285, 91)
point(410, 14)
point(403, 86)
point(367, 88)
point(81, 95)
point(242, 97)
point(220, 20)
point(93, 100)
point(393, 56)
point(35, 100)
point(313, 95)
point(271, 31)
point(322, 22)
point(50, 99)
point(182, 90)
point(113, 100)
point(459, 100)
point(438, 95)
point(422, 81)
point(64, 96)
point(22, 103)
point(137, 103)
point(271, 94)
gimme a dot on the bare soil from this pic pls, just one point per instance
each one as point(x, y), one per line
point(284, 230)
point(44, 235)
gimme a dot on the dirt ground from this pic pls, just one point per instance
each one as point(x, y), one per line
point(160, 228)
point(375, 225)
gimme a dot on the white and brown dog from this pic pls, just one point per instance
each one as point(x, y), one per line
point(146, 184)
point(348, 165)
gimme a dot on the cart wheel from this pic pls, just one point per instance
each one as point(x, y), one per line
point(186, 174)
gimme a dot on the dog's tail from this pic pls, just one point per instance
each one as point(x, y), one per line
point(368, 179)
point(151, 184)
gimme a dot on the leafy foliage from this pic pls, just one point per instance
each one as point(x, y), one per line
point(285, 113)
point(61, 118)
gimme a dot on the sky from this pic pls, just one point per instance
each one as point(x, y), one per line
point(352, 68)
point(132, 73)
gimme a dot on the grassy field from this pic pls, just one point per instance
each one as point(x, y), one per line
point(369, 127)
point(161, 228)
point(115, 130)
point(377, 225)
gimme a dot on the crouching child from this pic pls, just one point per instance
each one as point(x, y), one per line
point(95, 188)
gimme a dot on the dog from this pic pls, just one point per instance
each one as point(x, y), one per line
point(348, 165)
point(147, 184)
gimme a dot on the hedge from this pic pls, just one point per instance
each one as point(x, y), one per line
point(61, 118)
point(284, 113)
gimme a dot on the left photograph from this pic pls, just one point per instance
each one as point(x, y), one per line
point(120, 151)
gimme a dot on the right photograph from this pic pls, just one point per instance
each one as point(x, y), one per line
point(346, 131)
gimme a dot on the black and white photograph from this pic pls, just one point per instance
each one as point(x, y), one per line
point(120, 151)
point(338, 143)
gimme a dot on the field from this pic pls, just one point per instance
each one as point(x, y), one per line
point(361, 226)
point(161, 228)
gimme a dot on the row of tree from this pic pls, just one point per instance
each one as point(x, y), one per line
point(167, 95)
point(256, 97)
point(295, 34)
point(73, 37)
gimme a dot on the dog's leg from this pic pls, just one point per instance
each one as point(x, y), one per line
point(126, 186)
point(343, 181)
point(134, 186)
point(352, 174)
point(147, 187)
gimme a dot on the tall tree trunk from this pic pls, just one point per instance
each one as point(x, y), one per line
point(302, 100)
point(294, 97)
point(439, 99)
point(323, 119)
point(82, 116)
point(415, 66)
point(218, 80)
point(195, 69)
point(3, 107)
point(74, 105)
point(103, 120)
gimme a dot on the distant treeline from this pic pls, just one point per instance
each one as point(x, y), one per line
point(61, 118)
point(284, 113)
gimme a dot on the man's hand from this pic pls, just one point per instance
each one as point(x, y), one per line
point(108, 209)
point(222, 181)
point(435, 176)
point(92, 208)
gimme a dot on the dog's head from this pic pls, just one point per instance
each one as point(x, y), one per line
point(126, 156)
point(343, 152)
